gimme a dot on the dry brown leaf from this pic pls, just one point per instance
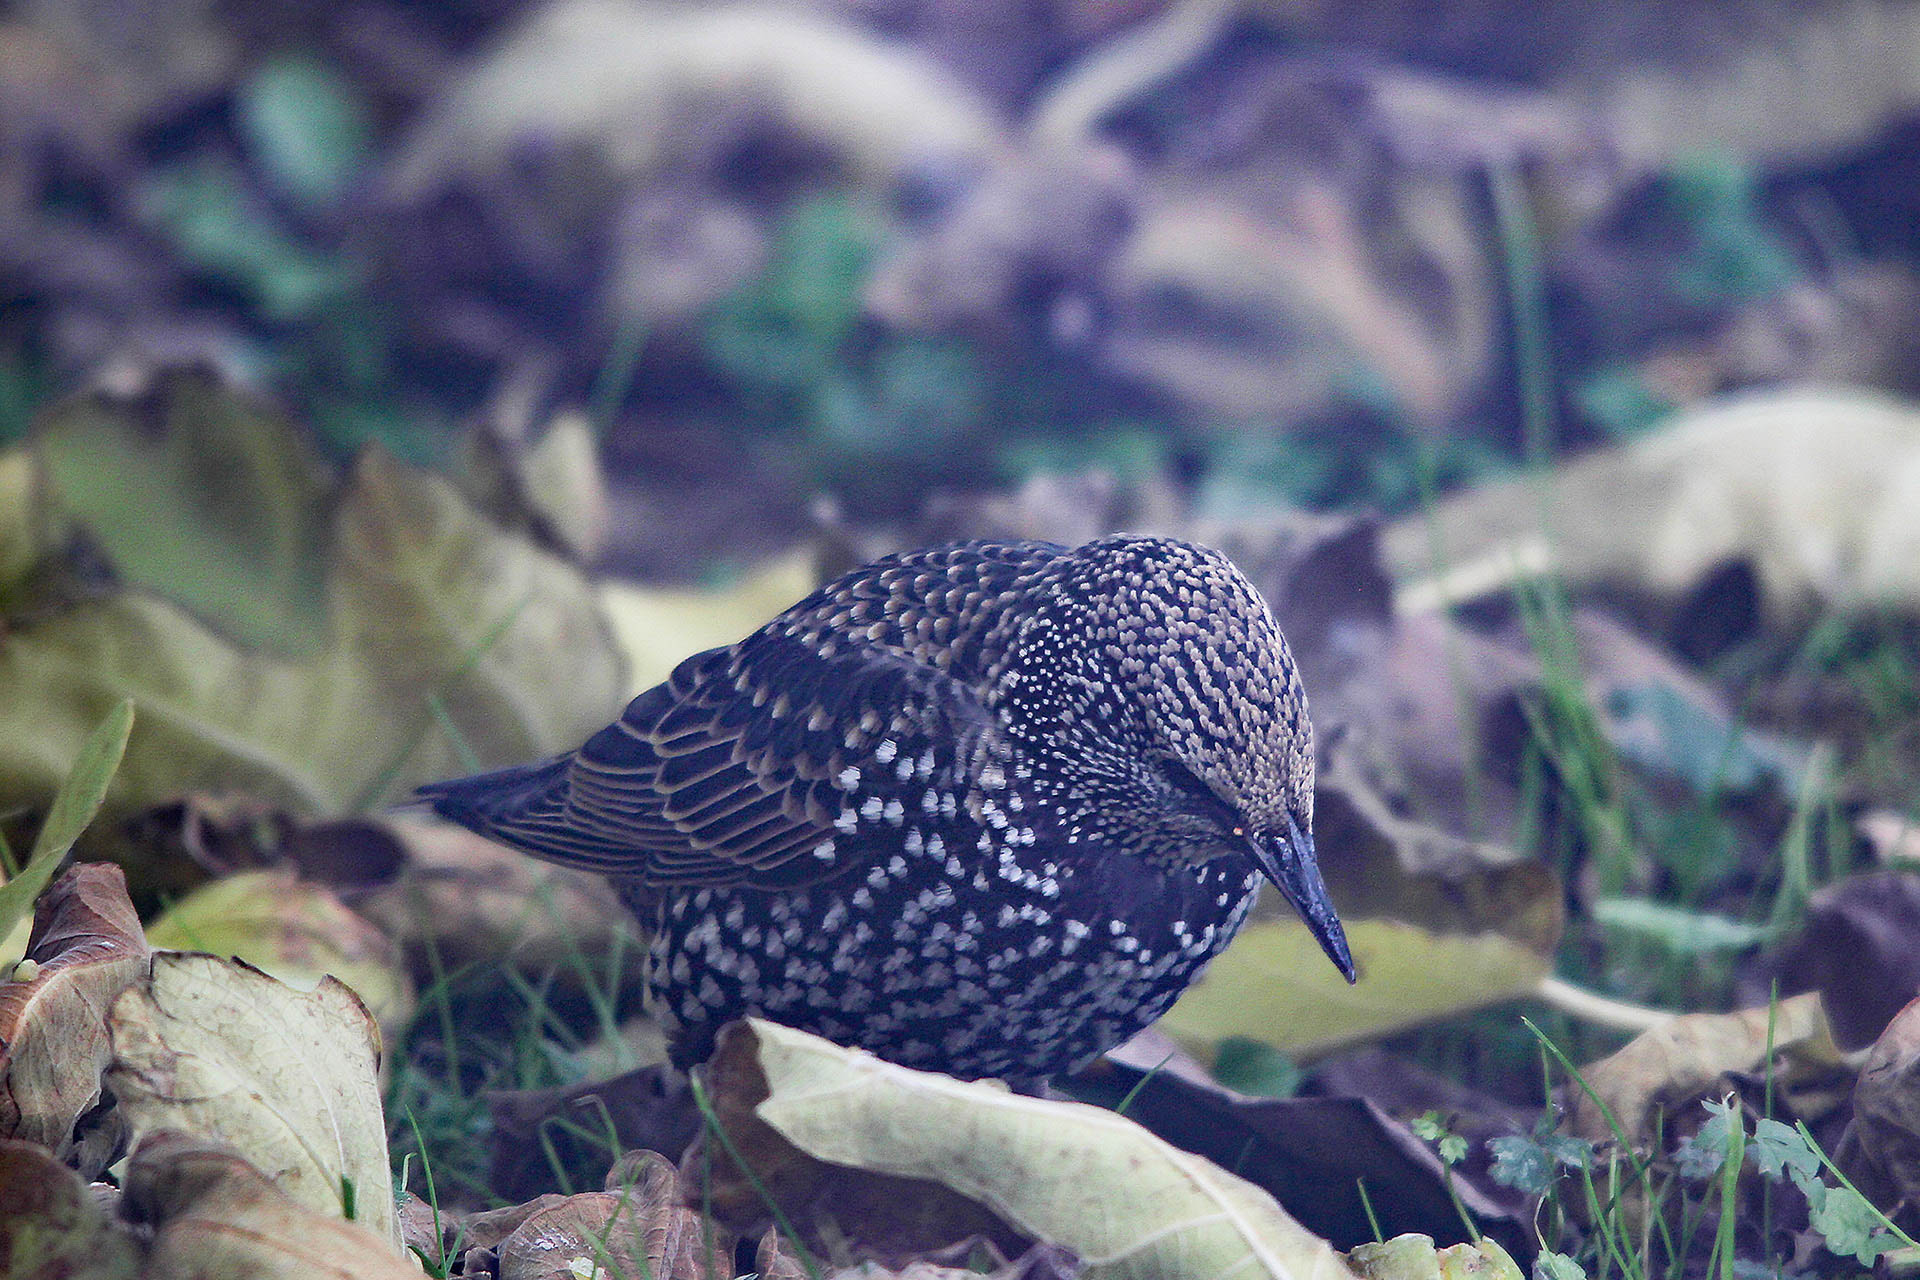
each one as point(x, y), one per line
point(1859, 948)
point(1667, 1069)
point(215, 1215)
point(640, 1226)
point(51, 1227)
point(1880, 1149)
point(86, 948)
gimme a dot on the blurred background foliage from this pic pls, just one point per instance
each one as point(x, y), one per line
point(876, 247)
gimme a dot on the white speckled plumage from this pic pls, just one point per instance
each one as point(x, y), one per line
point(982, 808)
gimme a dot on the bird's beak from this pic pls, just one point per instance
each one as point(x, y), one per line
point(1290, 865)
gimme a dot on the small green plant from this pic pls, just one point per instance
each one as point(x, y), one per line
point(1650, 1232)
point(1734, 256)
point(1452, 1149)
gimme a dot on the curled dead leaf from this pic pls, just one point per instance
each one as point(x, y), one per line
point(214, 1214)
point(642, 1225)
point(1880, 1149)
point(85, 949)
point(54, 1228)
point(1666, 1070)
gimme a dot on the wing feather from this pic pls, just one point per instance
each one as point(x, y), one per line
point(743, 765)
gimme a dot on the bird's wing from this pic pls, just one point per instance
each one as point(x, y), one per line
point(762, 764)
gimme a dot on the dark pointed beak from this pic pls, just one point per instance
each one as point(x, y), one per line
point(1294, 872)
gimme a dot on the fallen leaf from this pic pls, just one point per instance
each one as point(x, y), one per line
point(85, 949)
point(51, 1226)
point(293, 929)
point(620, 78)
point(1668, 1069)
point(1414, 1257)
point(1268, 985)
point(423, 599)
point(255, 539)
point(640, 1226)
point(288, 1078)
point(1859, 948)
point(214, 1214)
point(1311, 1155)
point(1124, 1201)
point(1880, 1148)
point(1815, 489)
point(1438, 925)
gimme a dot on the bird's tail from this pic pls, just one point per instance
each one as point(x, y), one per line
point(487, 801)
point(526, 807)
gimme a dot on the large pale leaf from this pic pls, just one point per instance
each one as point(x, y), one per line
point(1123, 1200)
point(287, 1078)
point(423, 598)
point(1816, 489)
point(1274, 984)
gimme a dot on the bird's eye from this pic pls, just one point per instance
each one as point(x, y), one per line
point(1195, 796)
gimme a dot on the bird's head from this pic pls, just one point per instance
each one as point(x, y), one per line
point(1159, 688)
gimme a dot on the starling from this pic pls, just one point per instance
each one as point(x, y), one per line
point(984, 809)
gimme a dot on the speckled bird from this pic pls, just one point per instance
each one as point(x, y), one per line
point(984, 808)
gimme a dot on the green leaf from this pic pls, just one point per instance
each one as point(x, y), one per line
point(1851, 1226)
point(1256, 1067)
point(245, 555)
point(1521, 1163)
point(1678, 930)
point(1556, 1266)
point(226, 231)
point(306, 126)
point(1662, 729)
point(73, 808)
point(1777, 1148)
point(1702, 1155)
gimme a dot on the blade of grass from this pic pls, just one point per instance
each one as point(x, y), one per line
point(707, 1113)
point(74, 806)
